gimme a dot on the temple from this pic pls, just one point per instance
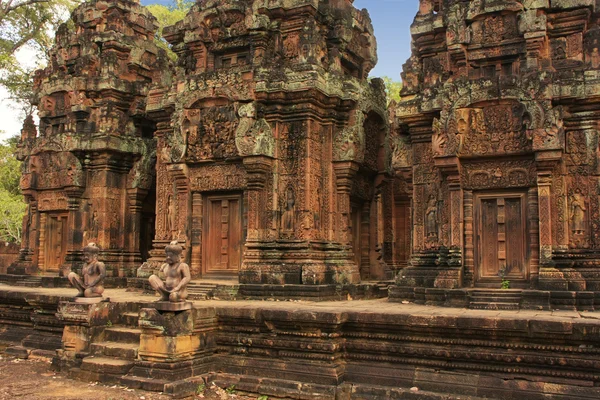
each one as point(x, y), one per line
point(269, 155)
point(88, 174)
point(263, 150)
point(271, 143)
point(497, 137)
point(255, 159)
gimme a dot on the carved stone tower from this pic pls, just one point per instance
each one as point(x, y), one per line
point(272, 152)
point(499, 115)
point(88, 176)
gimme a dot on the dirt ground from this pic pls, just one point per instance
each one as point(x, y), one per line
point(32, 379)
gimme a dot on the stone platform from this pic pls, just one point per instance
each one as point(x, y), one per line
point(368, 349)
point(230, 289)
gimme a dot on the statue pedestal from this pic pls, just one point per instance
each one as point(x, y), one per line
point(172, 306)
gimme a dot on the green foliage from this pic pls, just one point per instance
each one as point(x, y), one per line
point(392, 89)
point(167, 16)
point(12, 207)
point(31, 24)
point(10, 167)
point(201, 388)
point(263, 397)
point(230, 389)
point(505, 284)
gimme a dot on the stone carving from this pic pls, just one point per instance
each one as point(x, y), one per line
point(177, 276)
point(498, 174)
point(431, 218)
point(288, 216)
point(91, 99)
point(349, 143)
point(90, 283)
point(253, 135)
point(577, 214)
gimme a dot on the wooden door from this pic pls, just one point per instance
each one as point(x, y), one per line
point(56, 242)
point(501, 238)
point(223, 234)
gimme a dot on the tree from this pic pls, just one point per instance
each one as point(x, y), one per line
point(166, 16)
point(27, 24)
point(392, 89)
point(12, 207)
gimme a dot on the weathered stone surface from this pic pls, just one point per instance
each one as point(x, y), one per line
point(269, 136)
point(497, 143)
point(88, 174)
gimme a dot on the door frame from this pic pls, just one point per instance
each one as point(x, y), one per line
point(527, 235)
point(205, 231)
point(45, 238)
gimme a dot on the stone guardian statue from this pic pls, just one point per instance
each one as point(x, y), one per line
point(177, 276)
point(92, 276)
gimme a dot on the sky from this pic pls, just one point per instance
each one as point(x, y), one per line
point(391, 21)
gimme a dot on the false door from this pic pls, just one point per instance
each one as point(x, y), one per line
point(223, 234)
point(55, 243)
point(501, 238)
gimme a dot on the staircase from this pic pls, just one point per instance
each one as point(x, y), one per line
point(200, 291)
point(495, 299)
point(29, 281)
point(113, 353)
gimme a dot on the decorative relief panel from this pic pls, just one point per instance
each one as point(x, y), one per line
point(209, 133)
point(218, 177)
point(494, 28)
point(498, 174)
point(496, 129)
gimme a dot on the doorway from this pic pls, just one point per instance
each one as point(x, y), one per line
point(223, 237)
point(501, 239)
point(55, 243)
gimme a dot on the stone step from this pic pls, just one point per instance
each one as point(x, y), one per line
point(29, 282)
point(127, 351)
point(130, 319)
point(138, 382)
point(122, 334)
point(493, 306)
point(496, 299)
point(200, 291)
point(93, 376)
point(202, 285)
point(106, 365)
point(496, 292)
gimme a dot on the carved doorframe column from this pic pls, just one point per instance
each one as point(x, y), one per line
point(135, 197)
point(74, 243)
point(550, 278)
point(259, 168)
point(180, 176)
point(345, 171)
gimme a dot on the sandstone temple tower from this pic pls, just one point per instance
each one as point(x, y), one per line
point(272, 160)
point(497, 135)
point(88, 175)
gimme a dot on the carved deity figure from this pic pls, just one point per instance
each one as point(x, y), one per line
point(177, 276)
point(171, 223)
point(288, 216)
point(577, 214)
point(93, 273)
point(431, 217)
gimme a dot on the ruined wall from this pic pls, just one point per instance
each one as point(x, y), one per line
point(89, 172)
point(9, 253)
